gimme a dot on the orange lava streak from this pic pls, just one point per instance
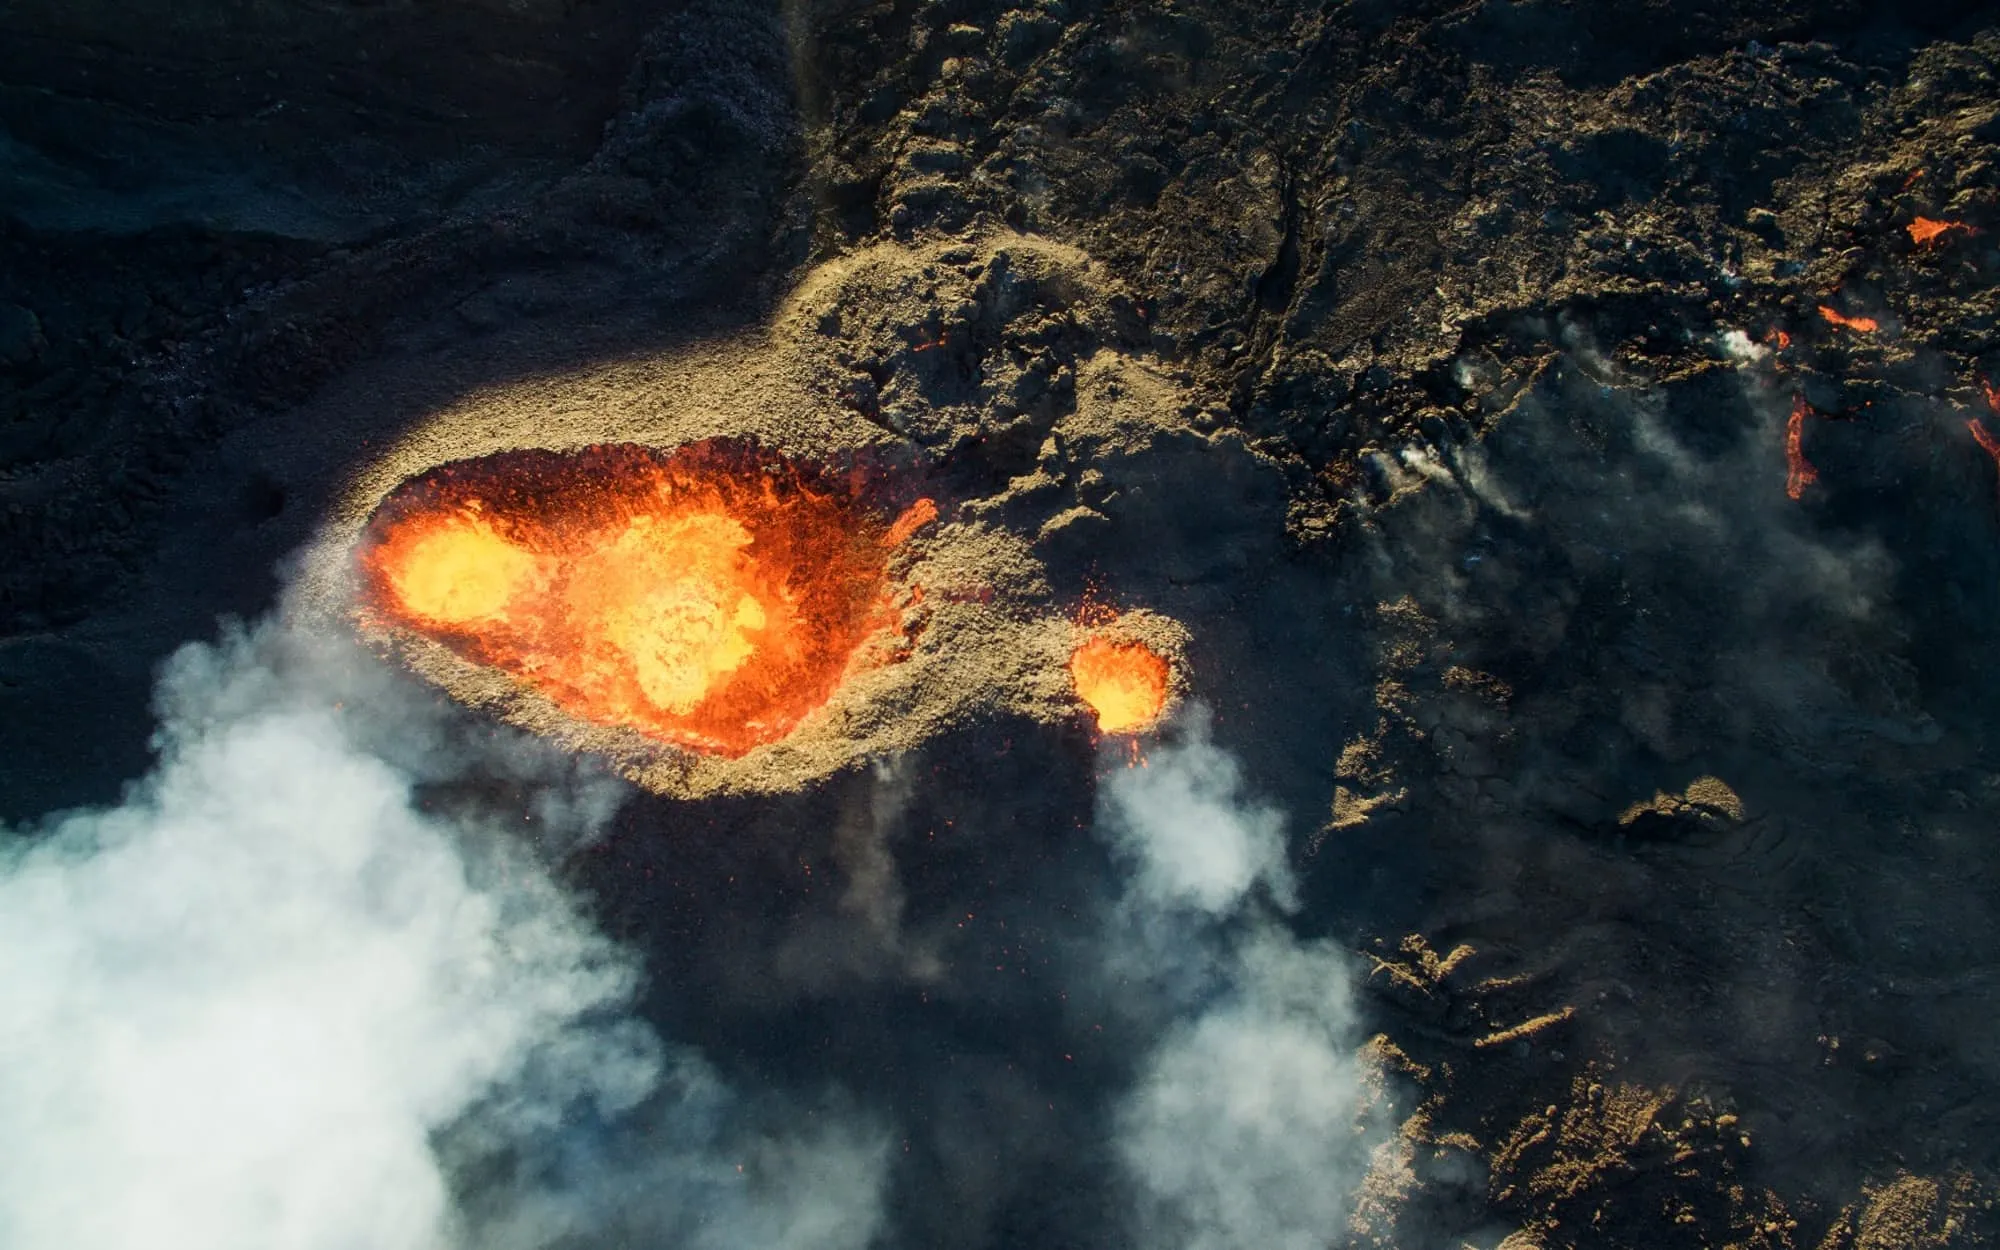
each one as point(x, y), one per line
point(1862, 325)
point(1984, 439)
point(1125, 683)
point(914, 518)
point(710, 597)
point(1799, 472)
point(1925, 231)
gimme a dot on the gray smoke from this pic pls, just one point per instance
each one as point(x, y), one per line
point(278, 999)
point(1246, 1125)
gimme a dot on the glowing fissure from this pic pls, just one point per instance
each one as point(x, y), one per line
point(1799, 472)
point(1860, 325)
point(1980, 434)
point(710, 597)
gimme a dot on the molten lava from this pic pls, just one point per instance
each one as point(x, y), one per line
point(1984, 439)
point(1926, 231)
point(1799, 472)
point(1860, 325)
point(456, 572)
point(1125, 683)
point(914, 518)
point(710, 597)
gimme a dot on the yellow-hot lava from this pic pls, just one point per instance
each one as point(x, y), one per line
point(669, 595)
point(458, 571)
point(710, 597)
point(1125, 683)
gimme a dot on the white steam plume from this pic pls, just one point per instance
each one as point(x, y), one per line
point(243, 1008)
point(1192, 837)
point(1247, 1124)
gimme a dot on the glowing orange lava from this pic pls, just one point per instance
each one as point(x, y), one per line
point(1926, 231)
point(1984, 439)
point(710, 597)
point(914, 518)
point(1125, 683)
point(1799, 472)
point(1860, 325)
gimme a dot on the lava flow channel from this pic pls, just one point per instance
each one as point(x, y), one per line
point(709, 597)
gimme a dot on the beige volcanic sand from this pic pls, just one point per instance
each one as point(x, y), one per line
point(986, 637)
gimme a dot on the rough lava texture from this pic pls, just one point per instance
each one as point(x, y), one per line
point(1418, 377)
